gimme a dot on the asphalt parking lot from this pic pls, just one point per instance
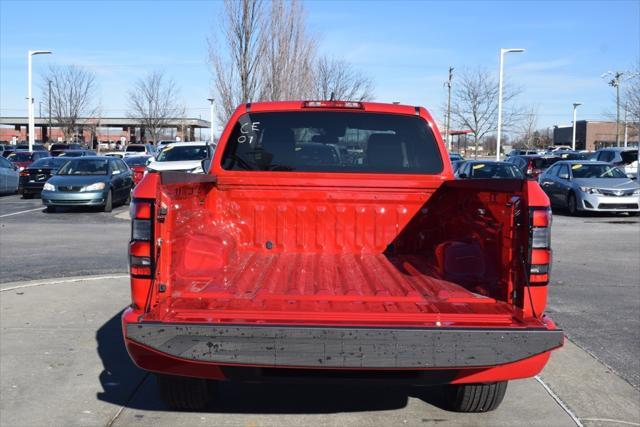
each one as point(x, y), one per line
point(61, 339)
point(68, 243)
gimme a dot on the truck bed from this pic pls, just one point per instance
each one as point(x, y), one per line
point(312, 287)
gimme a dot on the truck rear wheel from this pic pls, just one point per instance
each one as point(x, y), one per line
point(183, 393)
point(476, 397)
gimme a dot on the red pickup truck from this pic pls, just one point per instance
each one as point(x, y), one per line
point(328, 241)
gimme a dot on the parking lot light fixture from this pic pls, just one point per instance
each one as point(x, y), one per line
point(211, 118)
point(573, 139)
point(502, 52)
point(32, 125)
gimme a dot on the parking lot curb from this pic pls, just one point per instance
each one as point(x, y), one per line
point(123, 215)
point(590, 390)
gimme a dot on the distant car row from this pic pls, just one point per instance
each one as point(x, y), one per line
point(94, 180)
point(576, 182)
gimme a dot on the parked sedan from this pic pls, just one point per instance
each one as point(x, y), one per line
point(137, 164)
point(89, 181)
point(188, 156)
point(32, 178)
point(64, 146)
point(8, 150)
point(116, 154)
point(8, 176)
point(522, 153)
point(532, 166)
point(575, 155)
point(478, 169)
point(139, 150)
point(456, 165)
point(590, 186)
point(22, 159)
point(77, 153)
point(34, 147)
point(455, 157)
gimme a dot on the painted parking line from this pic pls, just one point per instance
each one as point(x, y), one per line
point(12, 287)
point(21, 212)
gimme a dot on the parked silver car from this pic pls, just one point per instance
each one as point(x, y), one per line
point(89, 181)
point(590, 186)
point(8, 176)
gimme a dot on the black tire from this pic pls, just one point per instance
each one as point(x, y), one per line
point(127, 201)
point(476, 397)
point(51, 209)
point(27, 195)
point(183, 393)
point(572, 205)
point(108, 204)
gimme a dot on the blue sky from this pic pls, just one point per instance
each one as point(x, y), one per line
point(406, 47)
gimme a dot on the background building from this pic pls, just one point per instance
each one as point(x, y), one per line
point(592, 134)
point(101, 130)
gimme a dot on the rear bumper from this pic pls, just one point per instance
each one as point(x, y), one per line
point(334, 347)
point(30, 188)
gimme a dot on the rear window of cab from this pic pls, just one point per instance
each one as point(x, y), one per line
point(332, 141)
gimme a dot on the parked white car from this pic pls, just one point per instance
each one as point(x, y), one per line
point(139, 150)
point(181, 156)
point(117, 154)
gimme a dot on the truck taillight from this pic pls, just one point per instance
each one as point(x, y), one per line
point(540, 244)
point(333, 104)
point(140, 247)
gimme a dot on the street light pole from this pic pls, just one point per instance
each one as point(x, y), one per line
point(211, 119)
point(502, 52)
point(573, 139)
point(32, 124)
point(618, 75)
point(626, 131)
point(49, 132)
point(449, 109)
point(616, 80)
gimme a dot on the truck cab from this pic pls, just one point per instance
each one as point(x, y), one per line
point(329, 241)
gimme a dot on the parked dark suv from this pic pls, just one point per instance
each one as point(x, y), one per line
point(625, 158)
point(532, 166)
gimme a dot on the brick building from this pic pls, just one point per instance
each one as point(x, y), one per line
point(592, 134)
point(109, 129)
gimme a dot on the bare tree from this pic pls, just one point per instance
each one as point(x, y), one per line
point(632, 101)
point(340, 79)
point(72, 94)
point(474, 103)
point(528, 125)
point(153, 101)
point(289, 53)
point(267, 54)
point(236, 64)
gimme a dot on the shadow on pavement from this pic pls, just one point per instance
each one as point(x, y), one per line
point(245, 398)
point(119, 378)
point(122, 383)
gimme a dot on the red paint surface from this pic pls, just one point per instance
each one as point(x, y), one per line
point(342, 249)
point(138, 173)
